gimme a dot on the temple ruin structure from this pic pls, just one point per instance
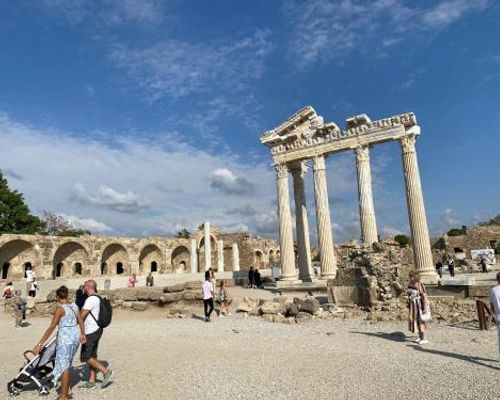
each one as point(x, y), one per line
point(305, 139)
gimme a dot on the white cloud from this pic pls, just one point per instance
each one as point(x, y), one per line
point(324, 30)
point(225, 181)
point(177, 68)
point(449, 217)
point(89, 224)
point(108, 197)
point(450, 11)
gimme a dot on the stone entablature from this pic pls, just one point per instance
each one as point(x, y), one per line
point(59, 256)
point(304, 136)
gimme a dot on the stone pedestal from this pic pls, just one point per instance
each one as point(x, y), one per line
point(416, 212)
point(236, 257)
point(366, 209)
point(285, 225)
point(324, 225)
point(208, 247)
point(193, 252)
point(220, 256)
point(302, 223)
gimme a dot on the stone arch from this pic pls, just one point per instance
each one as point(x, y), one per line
point(258, 258)
point(114, 260)
point(181, 259)
point(16, 255)
point(151, 259)
point(71, 258)
point(271, 254)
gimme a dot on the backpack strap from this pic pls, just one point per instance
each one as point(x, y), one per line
point(90, 312)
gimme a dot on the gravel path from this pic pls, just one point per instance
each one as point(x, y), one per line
point(247, 358)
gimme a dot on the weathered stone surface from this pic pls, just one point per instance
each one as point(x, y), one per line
point(279, 318)
point(247, 305)
point(270, 307)
point(175, 288)
point(30, 303)
point(171, 297)
point(140, 305)
point(302, 316)
point(309, 304)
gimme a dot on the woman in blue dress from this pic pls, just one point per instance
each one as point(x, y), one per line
point(70, 334)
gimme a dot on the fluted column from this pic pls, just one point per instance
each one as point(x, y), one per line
point(194, 256)
point(416, 212)
point(302, 223)
point(236, 257)
point(324, 225)
point(220, 256)
point(365, 195)
point(208, 247)
point(285, 225)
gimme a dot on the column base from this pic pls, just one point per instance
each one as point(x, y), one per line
point(330, 275)
point(292, 278)
point(429, 277)
point(307, 278)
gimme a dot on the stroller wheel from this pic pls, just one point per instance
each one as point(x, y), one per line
point(13, 389)
point(44, 391)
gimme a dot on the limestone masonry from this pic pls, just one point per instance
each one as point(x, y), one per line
point(58, 256)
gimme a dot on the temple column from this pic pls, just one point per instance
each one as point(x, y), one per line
point(193, 256)
point(416, 212)
point(220, 256)
point(302, 223)
point(236, 257)
point(324, 225)
point(366, 209)
point(207, 244)
point(285, 225)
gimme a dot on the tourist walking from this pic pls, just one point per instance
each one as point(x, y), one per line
point(132, 280)
point(482, 263)
point(451, 265)
point(418, 308)
point(30, 278)
point(208, 296)
point(19, 309)
point(70, 333)
point(80, 297)
point(256, 278)
point(439, 269)
point(224, 299)
point(150, 280)
point(33, 288)
point(495, 307)
point(251, 276)
point(93, 332)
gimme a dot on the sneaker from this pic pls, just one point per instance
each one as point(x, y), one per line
point(88, 385)
point(107, 378)
point(423, 341)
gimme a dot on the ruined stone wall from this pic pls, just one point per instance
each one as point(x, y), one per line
point(480, 237)
point(57, 256)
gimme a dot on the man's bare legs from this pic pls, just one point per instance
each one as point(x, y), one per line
point(94, 366)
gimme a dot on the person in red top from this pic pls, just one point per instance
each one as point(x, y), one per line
point(132, 280)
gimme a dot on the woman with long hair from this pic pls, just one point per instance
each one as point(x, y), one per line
point(70, 334)
point(224, 299)
point(418, 307)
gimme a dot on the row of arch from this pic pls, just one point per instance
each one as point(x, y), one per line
point(74, 258)
point(261, 258)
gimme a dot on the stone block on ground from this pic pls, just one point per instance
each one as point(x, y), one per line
point(193, 285)
point(140, 305)
point(179, 287)
point(246, 305)
point(309, 305)
point(270, 307)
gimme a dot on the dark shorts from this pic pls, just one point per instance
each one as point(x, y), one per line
point(89, 349)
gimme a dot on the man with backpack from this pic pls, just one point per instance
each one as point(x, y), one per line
point(96, 313)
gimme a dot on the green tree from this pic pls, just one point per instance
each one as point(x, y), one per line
point(183, 234)
point(457, 231)
point(15, 215)
point(403, 240)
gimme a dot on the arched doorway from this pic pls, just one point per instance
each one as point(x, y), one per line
point(181, 258)
point(5, 270)
point(27, 267)
point(150, 259)
point(258, 258)
point(115, 259)
point(17, 255)
point(104, 268)
point(271, 255)
point(69, 260)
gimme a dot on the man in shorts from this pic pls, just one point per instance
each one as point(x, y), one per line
point(90, 314)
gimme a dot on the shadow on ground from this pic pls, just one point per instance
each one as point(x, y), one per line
point(392, 336)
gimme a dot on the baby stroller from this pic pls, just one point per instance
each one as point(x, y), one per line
point(37, 369)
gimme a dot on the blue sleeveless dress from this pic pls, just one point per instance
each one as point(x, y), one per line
point(68, 340)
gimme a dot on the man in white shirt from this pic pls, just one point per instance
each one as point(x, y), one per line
point(90, 314)
point(495, 305)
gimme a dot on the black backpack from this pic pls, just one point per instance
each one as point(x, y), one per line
point(105, 312)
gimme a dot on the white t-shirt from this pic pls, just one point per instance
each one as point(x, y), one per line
point(93, 305)
point(495, 299)
point(30, 275)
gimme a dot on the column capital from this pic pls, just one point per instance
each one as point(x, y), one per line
point(408, 144)
point(362, 153)
point(299, 169)
point(281, 170)
point(319, 163)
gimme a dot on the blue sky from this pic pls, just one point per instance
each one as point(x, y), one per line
point(140, 117)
